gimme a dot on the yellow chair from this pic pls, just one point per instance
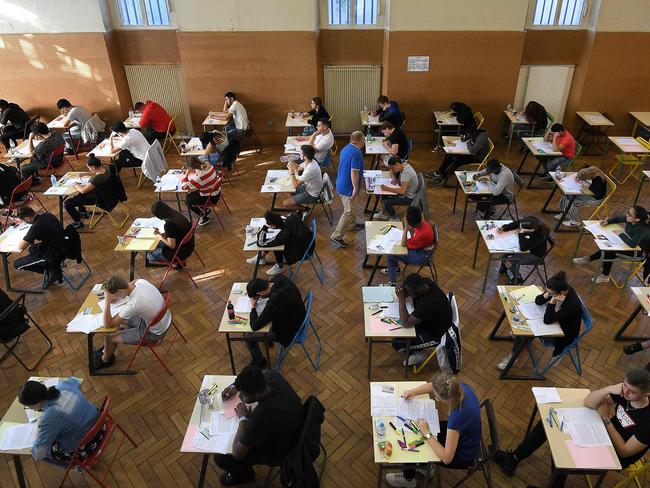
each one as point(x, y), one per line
point(602, 211)
point(169, 138)
point(632, 473)
point(632, 161)
point(100, 212)
point(479, 119)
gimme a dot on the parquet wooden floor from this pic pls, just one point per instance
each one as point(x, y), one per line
point(154, 407)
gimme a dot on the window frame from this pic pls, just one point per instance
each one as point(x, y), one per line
point(117, 18)
point(379, 19)
point(584, 18)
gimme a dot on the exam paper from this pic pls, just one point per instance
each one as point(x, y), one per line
point(544, 146)
point(243, 305)
point(21, 436)
point(585, 426)
point(546, 394)
point(532, 310)
point(221, 443)
point(12, 237)
point(219, 424)
point(383, 400)
point(526, 294)
point(85, 323)
point(152, 222)
point(391, 310)
point(115, 307)
point(539, 328)
point(420, 409)
point(507, 243)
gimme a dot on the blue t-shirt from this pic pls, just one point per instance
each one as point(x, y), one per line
point(350, 158)
point(467, 422)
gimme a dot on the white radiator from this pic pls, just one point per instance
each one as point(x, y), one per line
point(347, 90)
point(163, 84)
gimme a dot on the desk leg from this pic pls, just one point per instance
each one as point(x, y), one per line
point(533, 176)
point(204, 468)
point(548, 200)
point(61, 208)
point(606, 150)
point(531, 421)
point(275, 196)
point(638, 190)
point(20, 474)
point(257, 264)
point(132, 268)
point(91, 365)
point(523, 160)
point(512, 129)
point(365, 209)
point(575, 251)
point(374, 270)
point(462, 226)
point(374, 208)
point(519, 347)
point(619, 334)
point(369, 355)
point(487, 272)
point(455, 196)
point(5, 268)
point(478, 237)
point(380, 475)
point(232, 359)
point(406, 361)
point(493, 335)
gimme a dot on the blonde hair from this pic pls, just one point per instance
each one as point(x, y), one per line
point(588, 173)
point(448, 389)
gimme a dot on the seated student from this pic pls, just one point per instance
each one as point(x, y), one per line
point(395, 141)
point(13, 121)
point(49, 141)
point(322, 140)
point(267, 432)
point(75, 121)
point(501, 183)
point(404, 175)
point(562, 306)
point(154, 121)
point(202, 183)
point(306, 178)
point(284, 310)
point(477, 145)
point(9, 180)
point(536, 116)
point(533, 236)
point(236, 115)
point(176, 228)
point(562, 142)
point(636, 233)
point(459, 440)
point(636, 347)
point(316, 113)
point(44, 241)
point(625, 410)
point(67, 417)
point(133, 145)
point(416, 237)
point(464, 116)
point(214, 144)
point(388, 111)
point(431, 315)
point(294, 235)
point(144, 302)
point(591, 178)
point(76, 205)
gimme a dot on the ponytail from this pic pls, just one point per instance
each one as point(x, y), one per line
point(448, 389)
point(51, 393)
point(93, 161)
point(34, 392)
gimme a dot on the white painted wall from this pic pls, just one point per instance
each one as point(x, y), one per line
point(50, 16)
point(457, 15)
point(624, 16)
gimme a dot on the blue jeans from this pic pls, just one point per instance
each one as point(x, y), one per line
point(309, 130)
point(559, 161)
point(157, 254)
point(231, 131)
point(214, 159)
point(389, 203)
point(414, 256)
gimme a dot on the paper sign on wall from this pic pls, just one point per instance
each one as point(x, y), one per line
point(418, 63)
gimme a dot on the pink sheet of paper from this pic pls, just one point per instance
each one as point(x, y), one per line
point(189, 437)
point(379, 327)
point(229, 406)
point(590, 457)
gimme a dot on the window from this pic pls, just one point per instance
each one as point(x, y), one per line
point(131, 12)
point(353, 12)
point(569, 14)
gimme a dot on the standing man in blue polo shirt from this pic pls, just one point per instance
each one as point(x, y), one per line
point(348, 184)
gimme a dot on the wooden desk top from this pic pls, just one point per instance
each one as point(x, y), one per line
point(103, 150)
point(277, 181)
point(629, 145)
point(293, 145)
point(453, 145)
point(531, 145)
point(376, 146)
point(245, 327)
point(492, 231)
point(370, 176)
point(445, 117)
point(21, 151)
point(297, 119)
point(146, 242)
point(643, 117)
point(371, 120)
point(595, 119)
point(604, 244)
point(374, 229)
point(425, 454)
point(519, 118)
point(193, 147)
point(370, 308)
point(642, 293)
point(215, 118)
point(203, 412)
point(557, 440)
point(565, 180)
point(520, 327)
point(178, 173)
point(92, 302)
point(6, 247)
point(469, 186)
point(65, 186)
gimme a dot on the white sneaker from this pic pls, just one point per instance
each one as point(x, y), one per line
point(581, 260)
point(379, 216)
point(276, 269)
point(398, 481)
point(571, 223)
point(504, 362)
point(417, 358)
point(601, 278)
point(253, 260)
point(557, 216)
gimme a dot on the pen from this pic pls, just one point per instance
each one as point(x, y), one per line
point(203, 434)
point(392, 426)
point(409, 428)
point(403, 437)
point(410, 450)
point(378, 311)
point(395, 328)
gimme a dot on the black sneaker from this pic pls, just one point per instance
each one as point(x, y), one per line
point(230, 479)
point(503, 270)
point(359, 226)
point(338, 242)
point(85, 214)
point(77, 225)
point(432, 174)
point(506, 460)
point(36, 181)
point(98, 363)
point(204, 220)
point(632, 348)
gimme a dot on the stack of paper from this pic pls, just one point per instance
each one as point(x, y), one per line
point(540, 329)
point(571, 185)
point(391, 310)
point(12, 237)
point(243, 305)
point(20, 436)
point(115, 306)
point(509, 242)
point(532, 310)
point(457, 147)
point(546, 395)
point(383, 400)
point(86, 323)
point(220, 443)
point(543, 146)
point(151, 222)
point(170, 181)
point(585, 426)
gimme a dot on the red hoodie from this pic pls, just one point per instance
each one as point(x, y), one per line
point(156, 117)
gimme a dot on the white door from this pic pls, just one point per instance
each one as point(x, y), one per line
point(548, 85)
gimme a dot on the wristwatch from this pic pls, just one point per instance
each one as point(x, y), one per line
point(428, 436)
point(606, 421)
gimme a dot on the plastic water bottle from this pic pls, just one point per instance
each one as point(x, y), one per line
point(12, 146)
point(130, 112)
point(231, 310)
point(368, 134)
point(365, 109)
point(509, 108)
point(558, 173)
point(53, 180)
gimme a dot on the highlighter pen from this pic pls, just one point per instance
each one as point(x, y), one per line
point(415, 426)
point(403, 437)
point(410, 428)
point(392, 426)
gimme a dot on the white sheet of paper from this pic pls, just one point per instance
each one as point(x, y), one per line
point(544, 146)
point(258, 222)
point(391, 311)
point(393, 235)
point(20, 436)
point(13, 236)
point(420, 408)
point(221, 443)
point(539, 328)
point(532, 310)
point(115, 307)
point(589, 434)
point(378, 244)
point(151, 222)
point(381, 402)
point(170, 181)
point(546, 394)
point(85, 323)
point(508, 243)
point(243, 305)
point(221, 425)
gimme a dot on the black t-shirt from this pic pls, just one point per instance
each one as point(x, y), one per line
point(398, 137)
point(14, 114)
point(598, 187)
point(434, 310)
point(316, 115)
point(177, 231)
point(46, 229)
point(275, 424)
point(629, 422)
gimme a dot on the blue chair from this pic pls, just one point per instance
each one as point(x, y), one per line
point(314, 255)
point(409, 146)
point(575, 358)
point(301, 338)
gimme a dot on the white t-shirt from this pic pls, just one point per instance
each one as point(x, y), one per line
point(134, 142)
point(80, 116)
point(311, 177)
point(239, 115)
point(323, 143)
point(145, 301)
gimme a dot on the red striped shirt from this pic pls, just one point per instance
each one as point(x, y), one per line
point(206, 181)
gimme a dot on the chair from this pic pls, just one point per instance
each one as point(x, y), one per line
point(473, 166)
point(153, 165)
point(403, 120)
point(177, 261)
point(421, 199)
point(611, 189)
point(325, 197)
point(16, 203)
point(17, 308)
point(575, 359)
point(152, 345)
point(169, 141)
point(542, 261)
point(519, 183)
point(105, 420)
point(428, 258)
point(632, 473)
point(409, 146)
point(108, 197)
point(575, 156)
point(479, 119)
point(213, 205)
point(51, 169)
point(28, 126)
point(310, 257)
point(301, 338)
point(550, 118)
point(252, 137)
point(440, 350)
point(632, 161)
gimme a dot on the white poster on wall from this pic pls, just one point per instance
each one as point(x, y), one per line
point(418, 63)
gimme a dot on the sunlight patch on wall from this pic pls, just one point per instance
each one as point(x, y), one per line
point(30, 53)
point(75, 66)
point(9, 12)
point(2, 43)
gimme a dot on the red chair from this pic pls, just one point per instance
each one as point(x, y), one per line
point(144, 342)
point(16, 203)
point(91, 460)
point(52, 170)
point(177, 261)
point(208, 204)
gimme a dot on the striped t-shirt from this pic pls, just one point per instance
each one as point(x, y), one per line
point(206, 181)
